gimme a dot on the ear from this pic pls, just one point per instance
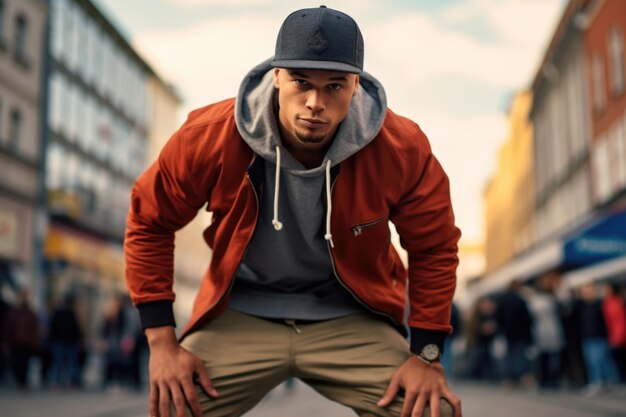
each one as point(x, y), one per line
point(357, 80)
point(276, 82)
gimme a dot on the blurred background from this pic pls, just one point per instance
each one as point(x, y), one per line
point(524, 102)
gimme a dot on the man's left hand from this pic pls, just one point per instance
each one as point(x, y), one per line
point(422, 383)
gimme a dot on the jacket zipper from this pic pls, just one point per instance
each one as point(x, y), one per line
point(357, 230)
point(343, 284)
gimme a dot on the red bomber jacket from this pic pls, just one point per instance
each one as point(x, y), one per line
point(395, 177)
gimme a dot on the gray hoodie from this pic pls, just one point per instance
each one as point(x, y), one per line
point(288, 273)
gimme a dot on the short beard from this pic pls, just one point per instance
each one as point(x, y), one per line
point(309, 139)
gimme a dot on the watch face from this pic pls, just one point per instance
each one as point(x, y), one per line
point(430, 352)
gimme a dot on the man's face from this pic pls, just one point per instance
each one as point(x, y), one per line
point(312, 104)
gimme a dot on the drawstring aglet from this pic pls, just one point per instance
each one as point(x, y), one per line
point(292, 323)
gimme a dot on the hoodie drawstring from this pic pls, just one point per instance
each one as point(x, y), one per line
point(277, 224)
point(328, 236)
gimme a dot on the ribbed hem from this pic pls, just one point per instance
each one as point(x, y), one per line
point(422, 337)
point(156, 314)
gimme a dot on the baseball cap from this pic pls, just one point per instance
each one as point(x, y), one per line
point(319, 38)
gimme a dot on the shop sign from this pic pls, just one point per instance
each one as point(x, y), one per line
point(9, 233)
point(602, 240)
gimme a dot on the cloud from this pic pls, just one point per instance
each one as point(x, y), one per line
point(221, 3)
point(207, 62)
point(512, 21)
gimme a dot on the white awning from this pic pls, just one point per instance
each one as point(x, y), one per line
point(534, 262)
point(597, 272)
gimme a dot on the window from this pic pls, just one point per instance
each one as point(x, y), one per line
point(54, 167)
point(57, 22)
point(21, 29)
point(2, 41)
point(55, 101)
point(601, 170)
point(15, 128)
point(619, 149)
point(599, 95)
point(616, 56)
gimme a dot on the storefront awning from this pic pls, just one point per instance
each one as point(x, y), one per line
point(593, 244)
point(601, 240)
point(84, 251)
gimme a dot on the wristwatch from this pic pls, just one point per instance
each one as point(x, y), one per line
point(430, 353)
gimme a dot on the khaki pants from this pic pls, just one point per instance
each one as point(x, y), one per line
point(349, 360)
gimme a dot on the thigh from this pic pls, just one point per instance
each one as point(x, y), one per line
point(351, 360)
point(245, 358)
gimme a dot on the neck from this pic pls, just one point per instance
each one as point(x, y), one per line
point(310, 155)
point(310, 158)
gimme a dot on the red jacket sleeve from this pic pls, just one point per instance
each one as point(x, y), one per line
point(163, 200)
point(424, 220)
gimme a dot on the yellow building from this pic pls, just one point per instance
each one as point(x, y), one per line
point(471, 266)
point(509, 196)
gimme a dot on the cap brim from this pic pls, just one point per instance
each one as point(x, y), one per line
point(316, 65)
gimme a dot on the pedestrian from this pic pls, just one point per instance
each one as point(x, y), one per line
point(110, 344)
point(302, 172)
point(21, 332)
point(515, 325)
point(548, 332)
point(65, 335)
point(447, 358)
point(573, 362)
point(4, 310)
point(133, 344)
point(614, 310)
point(481, 331)
point(601, 370)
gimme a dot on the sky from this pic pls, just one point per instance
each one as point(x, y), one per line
point(452, 66)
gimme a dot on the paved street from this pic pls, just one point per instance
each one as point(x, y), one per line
point(478, 401)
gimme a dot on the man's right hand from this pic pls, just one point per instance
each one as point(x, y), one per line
point(172, 374)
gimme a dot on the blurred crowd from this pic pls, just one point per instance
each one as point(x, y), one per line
point(543, 336)
point(531, 336)
point(58, 342)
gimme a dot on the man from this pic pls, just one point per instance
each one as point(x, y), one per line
point(515, 323)
point(302, 173)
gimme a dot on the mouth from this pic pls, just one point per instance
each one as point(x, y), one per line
point(312, 123)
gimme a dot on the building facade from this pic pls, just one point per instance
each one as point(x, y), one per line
point(606, 63)
point(606, 82)
point(97, 134)
point(579, 122)
point(22, 63)
point(562, 131)
point(509, 197)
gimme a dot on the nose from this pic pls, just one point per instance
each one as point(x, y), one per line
point(315, 102)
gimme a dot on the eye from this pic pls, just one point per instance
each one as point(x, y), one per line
point(300, 82)
point(335, 87)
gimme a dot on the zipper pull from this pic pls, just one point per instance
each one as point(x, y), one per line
point(357, 230)
point(292, 323)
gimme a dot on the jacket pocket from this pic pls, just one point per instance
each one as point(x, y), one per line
point(358, 229)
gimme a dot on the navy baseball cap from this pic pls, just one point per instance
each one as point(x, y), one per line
point(319, 38)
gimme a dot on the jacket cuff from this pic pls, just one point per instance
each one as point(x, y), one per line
point(156, 314)
point(423, 337)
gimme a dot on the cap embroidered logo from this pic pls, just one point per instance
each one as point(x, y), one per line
point(318, 42)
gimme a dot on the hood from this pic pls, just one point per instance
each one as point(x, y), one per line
point(257, 122)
